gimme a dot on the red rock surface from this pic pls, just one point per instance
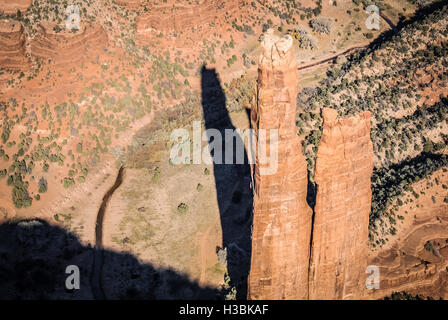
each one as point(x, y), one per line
point(65, 46)
point(12, 46)
point(176, 19)
point(282, 217)
point(340, 233)
point(11, 6)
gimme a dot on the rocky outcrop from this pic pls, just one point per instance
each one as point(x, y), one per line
point(66, 46)
point(11, 6)
point(340, 230)
point(175, 18)
point(12, 46)
point(281, 216)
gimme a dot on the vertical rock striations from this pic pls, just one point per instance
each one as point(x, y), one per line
point(282, 218)
point(340, 233)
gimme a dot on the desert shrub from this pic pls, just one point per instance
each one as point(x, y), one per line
point(301, 30)
point(43, 185)
point(308, 42)
point(182, 208)
point(68, 182)
point(79, 147)
point(322, 24)
point(156, 176)
point(403, 295)
point(20, 195)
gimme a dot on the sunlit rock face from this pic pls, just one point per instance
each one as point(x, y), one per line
point(281, 215)
point(67, 47)
point(183, 20)
point(340, 231)
point(12, 46)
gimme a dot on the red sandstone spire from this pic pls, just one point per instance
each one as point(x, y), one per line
point(282, 218)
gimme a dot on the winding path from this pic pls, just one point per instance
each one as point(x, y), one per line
point(98, 260)
point(350, 50)
point(344, 53)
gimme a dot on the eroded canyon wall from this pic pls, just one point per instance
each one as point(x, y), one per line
point(189, 19)
point(282, 217)
point(340, 230)
point(12, 46)
point(67, 47)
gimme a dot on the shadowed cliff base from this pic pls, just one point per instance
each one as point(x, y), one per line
point(232, 181)
point(34, 256)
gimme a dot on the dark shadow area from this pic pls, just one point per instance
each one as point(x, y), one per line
point(34, 256)
point(311, 193)
point(249, 114)
point(232, 185)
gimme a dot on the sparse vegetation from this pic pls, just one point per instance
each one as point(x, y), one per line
point(182, 208)
point(322, 24)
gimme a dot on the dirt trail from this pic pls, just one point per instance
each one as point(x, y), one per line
point(203, 248)
point(98, 261)
point(331, 58)
point(350, 50)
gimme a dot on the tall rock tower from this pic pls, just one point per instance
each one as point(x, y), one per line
point(282, 218)
point(340, 232)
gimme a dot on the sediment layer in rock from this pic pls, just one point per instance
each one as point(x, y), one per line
point(282, 217)
point(340, 231)
point(66, 46)
point(175, 18)
point(12, 46)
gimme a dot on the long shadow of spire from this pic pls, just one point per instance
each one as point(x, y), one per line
point(232, 184)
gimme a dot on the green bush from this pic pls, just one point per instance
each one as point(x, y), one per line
point(68, 182)
point(182, 208)
point(43, 185)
